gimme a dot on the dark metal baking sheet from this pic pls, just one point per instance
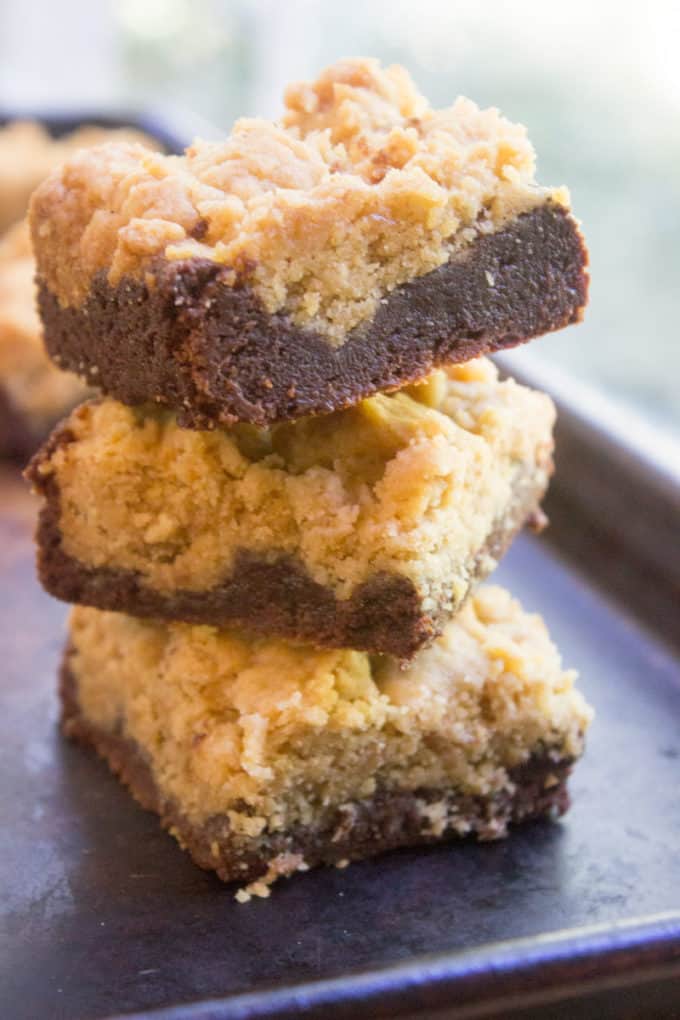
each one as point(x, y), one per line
point(101, 914)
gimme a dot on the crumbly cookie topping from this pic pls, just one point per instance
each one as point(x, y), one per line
point(360, 187)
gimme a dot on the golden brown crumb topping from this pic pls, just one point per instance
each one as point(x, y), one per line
point(272, 734)
point(410, 483)
point(361, 187)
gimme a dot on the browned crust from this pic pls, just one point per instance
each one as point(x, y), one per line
point(384, 614)
point(213, 354)
point(385, 821)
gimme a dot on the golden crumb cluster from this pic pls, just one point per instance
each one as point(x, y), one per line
point(272, 735)
point(411, 483)
point(360, 187)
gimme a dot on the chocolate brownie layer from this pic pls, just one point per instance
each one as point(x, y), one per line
point(385, 821)
point(216, 356)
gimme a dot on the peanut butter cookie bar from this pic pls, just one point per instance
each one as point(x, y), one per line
point(265, 758)
point(364, 529)
point(296, 268)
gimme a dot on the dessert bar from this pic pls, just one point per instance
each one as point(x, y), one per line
point(364, 529)
point(264, 758)
point(296, 268)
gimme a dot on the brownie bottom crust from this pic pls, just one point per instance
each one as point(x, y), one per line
point(212, 352)
point(388, 820)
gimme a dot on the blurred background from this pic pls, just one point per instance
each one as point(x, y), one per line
point(597, 84)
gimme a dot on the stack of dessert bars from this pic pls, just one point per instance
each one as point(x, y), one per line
point(275, 518)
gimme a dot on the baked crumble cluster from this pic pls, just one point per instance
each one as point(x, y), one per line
point(360, 187)
point(275, 516)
